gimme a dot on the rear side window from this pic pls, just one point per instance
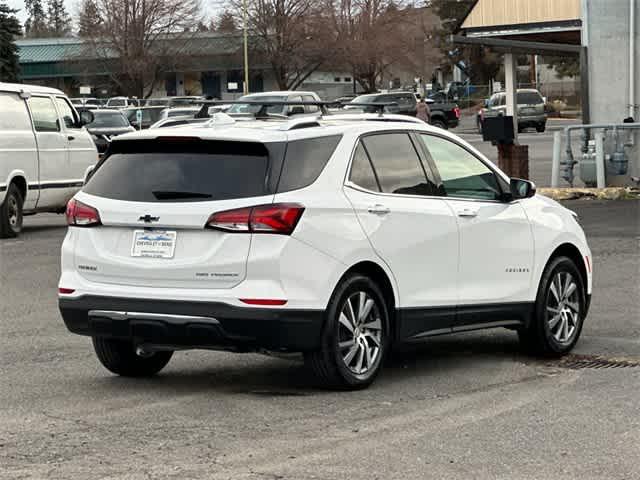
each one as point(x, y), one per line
point(45, 117)
point(397, 165)
point(14, 112)
point(362, 172)
point(305, 160)
point(186, 171)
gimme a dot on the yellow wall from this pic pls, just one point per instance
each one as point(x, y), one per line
point(489, 13)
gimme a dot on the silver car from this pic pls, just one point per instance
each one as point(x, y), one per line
point(531, 112)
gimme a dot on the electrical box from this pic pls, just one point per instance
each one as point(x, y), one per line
point(498, 129)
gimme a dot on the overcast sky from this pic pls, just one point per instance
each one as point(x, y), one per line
point(211, 7)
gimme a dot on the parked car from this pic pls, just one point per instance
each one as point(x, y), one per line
point(406, 103)
point(531, 109)
point(150, 115)
point(45, 153)
point(122, 102)
point(107, 124)
point(86, 102)
point(337, 237)
point(172, 101)
point(179, 112)
point(276, 110)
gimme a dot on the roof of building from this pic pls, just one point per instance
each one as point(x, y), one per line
point(52, 50)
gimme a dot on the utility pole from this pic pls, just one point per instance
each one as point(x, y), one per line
point(246, 51)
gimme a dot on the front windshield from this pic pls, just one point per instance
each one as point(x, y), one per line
point(108, 120)
point(245, 108)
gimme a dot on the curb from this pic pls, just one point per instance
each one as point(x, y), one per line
point(609, 193)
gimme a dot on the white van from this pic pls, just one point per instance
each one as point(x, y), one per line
point(45, 153)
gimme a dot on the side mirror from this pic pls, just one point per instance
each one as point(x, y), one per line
point(521, 188)
point(86, 117)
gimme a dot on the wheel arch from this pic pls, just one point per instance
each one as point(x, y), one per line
point(20, 182)
point(384, 281)
point(572, 252)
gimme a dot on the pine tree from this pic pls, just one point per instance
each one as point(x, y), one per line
point(9, 29)
point(89, 18)
point(58, 20)
point(226, 22)
point(36, 23)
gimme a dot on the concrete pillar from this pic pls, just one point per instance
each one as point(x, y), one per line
point(511, 89)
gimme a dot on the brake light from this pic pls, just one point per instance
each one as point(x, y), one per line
point(456, 112)
point(81, 215)
point(278, 218)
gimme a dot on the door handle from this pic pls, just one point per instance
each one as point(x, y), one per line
point(467, 212)
point(378, 209)
point(71, 137)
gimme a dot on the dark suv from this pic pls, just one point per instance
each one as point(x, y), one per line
point(406, 102)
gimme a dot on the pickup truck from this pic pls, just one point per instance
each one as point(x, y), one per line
point(443, 114)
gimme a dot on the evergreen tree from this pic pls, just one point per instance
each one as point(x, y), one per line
point(9, 29)
point(58, 20)
point(36, 23)
point(89, 19)
point(226, 22)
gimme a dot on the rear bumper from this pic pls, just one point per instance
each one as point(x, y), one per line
point(193, 324)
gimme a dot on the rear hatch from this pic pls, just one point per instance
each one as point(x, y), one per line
point(154, 198)
point(529, 104)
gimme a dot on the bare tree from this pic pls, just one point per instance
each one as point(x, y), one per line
point(140, 40)
point(291, 35)
point(372, 35)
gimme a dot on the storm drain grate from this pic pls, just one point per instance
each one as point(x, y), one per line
point(578, 362)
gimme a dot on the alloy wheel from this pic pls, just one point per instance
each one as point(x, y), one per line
point(360, 333)
point(563, 307)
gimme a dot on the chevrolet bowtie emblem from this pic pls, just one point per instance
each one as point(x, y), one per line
point(148, 219)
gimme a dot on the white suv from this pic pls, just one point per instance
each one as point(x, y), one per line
point(335, 237)
point(45, 153)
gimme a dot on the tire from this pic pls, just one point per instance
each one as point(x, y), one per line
point(120, 357)
point(342, 362)
point(439, 124)
point(546, 335)
point(11, 213)
point(541, 127)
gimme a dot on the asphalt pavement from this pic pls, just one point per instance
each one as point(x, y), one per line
point(469, 406)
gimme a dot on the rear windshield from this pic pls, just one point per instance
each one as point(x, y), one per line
point(529, 98)
point(187, 171)
point(108, 119)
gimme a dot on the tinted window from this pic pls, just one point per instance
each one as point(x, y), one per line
point(305, 160)
point(529, 98)
point(462, 174)
point(67, 113)
point(397, 165)
point(45, 117)
point(158, 171)
point(108, 120)
point(14, 112)
point(361, 171)
point(246, 108)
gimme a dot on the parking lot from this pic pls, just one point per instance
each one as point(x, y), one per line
point(466, 406)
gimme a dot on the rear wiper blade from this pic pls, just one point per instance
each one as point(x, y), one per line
point(171, 195)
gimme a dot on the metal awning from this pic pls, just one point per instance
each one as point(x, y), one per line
point(517, 46)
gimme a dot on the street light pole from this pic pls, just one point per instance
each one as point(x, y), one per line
point(246, 53)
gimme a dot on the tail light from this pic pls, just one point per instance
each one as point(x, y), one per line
point(456, 112)
point(279, 218)
point(80, 215)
